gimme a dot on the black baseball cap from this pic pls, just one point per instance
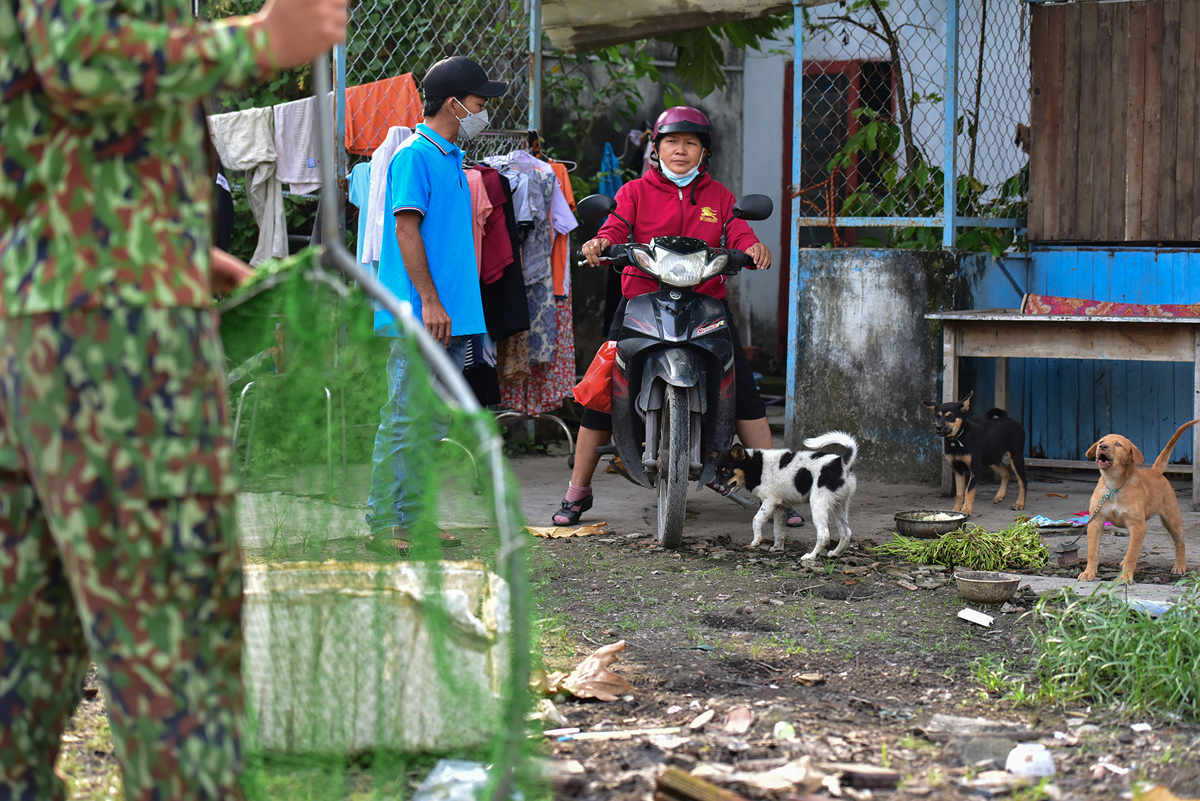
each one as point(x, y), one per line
point(460, 75)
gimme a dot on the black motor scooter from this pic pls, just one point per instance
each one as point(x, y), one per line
point(672, 381)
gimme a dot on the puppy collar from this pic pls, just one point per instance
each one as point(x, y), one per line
point(1105, 498)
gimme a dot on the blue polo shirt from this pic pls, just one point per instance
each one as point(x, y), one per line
point(426, 175)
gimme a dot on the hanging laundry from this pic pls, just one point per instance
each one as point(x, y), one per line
point(377, 212)
point(373, 109)
point(505, 304)
point(223, 215)
point(496, 251)
point(481, 208)
point(548, 384)
point(296, 145)
point(559, 266)
point(245, 141)
point(360, 190)
point(610, 172)
point(547, 208)
point(479, 369)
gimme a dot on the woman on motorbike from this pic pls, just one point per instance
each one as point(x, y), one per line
point(676, 198)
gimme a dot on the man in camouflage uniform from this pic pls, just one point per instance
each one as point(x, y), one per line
point(116, 484)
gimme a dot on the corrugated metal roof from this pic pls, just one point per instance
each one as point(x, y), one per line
point(576, 25)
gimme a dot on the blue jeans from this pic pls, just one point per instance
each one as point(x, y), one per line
point(406, 438)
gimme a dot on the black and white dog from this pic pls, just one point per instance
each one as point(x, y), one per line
point(780, 478)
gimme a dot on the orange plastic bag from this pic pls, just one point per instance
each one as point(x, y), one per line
point(594, 391)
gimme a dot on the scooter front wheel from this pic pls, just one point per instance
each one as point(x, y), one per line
point(674, 449)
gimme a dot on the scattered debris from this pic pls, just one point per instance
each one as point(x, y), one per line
point(1030, 759)
point(976, 617)
point(1104, 765)
point(561, 532)
point(995, 782)
point(453, 780)
point(1141, 727)
point(1160, 793)
point(941, 728)
point(810, 679)
point(784, 731)
point(592, 678)
point(738, 720)
point(702, 720)
point(855, 774)
point(619, 734)
point(675, 784)
point(798, 774)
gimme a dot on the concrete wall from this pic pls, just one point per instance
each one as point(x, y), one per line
point(866, 356)
point(1004, 102)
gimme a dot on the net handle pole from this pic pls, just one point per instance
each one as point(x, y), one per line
point(511, 555)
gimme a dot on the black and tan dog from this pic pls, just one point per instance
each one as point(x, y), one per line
point(1128, 497)
point(970, 448)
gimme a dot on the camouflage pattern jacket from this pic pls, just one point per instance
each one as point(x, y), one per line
point(105, 189)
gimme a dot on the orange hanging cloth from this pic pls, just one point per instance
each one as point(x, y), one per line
point(373, 108)
point(558, 254)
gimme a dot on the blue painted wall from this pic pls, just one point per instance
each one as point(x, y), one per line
point(1068, 404)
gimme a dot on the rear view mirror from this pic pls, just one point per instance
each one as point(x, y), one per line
point(594, 208)
point(752, 207)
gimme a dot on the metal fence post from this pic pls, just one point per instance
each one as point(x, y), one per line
point(535, 65)
point(949, 170)
point(793, 321)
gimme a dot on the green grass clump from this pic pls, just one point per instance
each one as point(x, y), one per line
point(1101, 650)
point(974, 547)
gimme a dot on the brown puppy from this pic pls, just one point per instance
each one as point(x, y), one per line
point(1136, 496)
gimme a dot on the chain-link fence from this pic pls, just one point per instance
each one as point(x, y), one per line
point(875, 107)
point(386, 41)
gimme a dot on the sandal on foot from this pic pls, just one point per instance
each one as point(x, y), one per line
point(422, 529)
point(387, 543)
point(571, 511)
point(793, 519)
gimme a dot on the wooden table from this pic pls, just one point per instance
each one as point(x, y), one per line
point(1004, 334)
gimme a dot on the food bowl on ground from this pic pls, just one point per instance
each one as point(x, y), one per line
point(986, 586)
point(928, 523)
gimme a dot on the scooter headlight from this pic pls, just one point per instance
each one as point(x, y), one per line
point(687, 270)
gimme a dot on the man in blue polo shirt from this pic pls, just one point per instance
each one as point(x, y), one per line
point(427, 259)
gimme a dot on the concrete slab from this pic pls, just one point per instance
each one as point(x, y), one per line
point(1133, 592)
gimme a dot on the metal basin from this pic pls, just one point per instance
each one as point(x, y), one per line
point(916, 524)
point(986, 586)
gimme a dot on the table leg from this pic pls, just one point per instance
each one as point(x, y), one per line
point(1002, 383)
point(949, 389)
point(1196, 429)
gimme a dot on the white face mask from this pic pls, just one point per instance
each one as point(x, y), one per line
point(470, 125)
point(680, 179)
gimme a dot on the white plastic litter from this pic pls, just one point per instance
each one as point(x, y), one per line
point(976, 617)
point(1141, 727)
point(1030, 759)
point(455, 780)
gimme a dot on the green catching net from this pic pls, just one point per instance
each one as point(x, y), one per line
point(365, 668)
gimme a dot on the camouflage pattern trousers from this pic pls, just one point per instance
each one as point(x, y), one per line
point(117, 541)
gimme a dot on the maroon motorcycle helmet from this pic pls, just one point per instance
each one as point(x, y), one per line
point(683, 119)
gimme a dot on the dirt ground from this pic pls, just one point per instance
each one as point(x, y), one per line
point(850, 656)
point(715, 626)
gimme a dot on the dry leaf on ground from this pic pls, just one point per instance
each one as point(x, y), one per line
point(592, 678)
point(559, 532)
point(738, 720)
point(702, 720)
point(810, 679)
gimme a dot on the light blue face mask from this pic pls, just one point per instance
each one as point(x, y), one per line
point(680, 179)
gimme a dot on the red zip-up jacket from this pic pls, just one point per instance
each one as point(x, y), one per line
point(657, 207)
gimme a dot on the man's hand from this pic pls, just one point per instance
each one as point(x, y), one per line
point(300, 30)
point(760, 254)
point(437, 322)
point(227, 272)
